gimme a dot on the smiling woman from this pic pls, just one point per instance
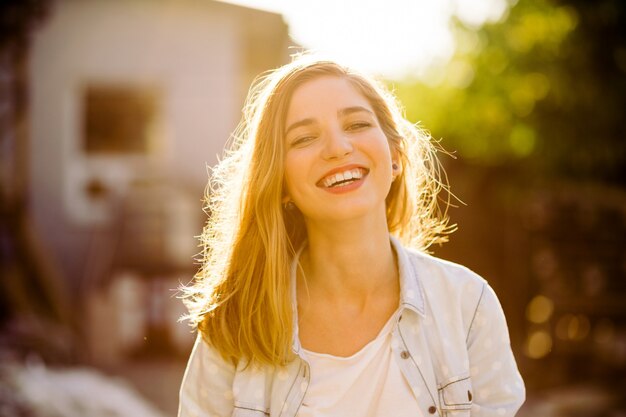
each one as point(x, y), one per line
point(315, 296)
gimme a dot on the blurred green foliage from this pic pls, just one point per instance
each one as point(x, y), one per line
point(544, 89)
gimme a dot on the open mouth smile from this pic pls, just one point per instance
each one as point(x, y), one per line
point(343, 178)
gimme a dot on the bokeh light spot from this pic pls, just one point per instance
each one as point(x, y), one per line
point(573, 327)
point(539, 309)
point(538, 344)
point(522, 140)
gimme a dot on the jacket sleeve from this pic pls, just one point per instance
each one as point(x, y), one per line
point(498, 388)
point(206, 389)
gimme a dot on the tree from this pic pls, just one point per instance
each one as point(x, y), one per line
point(543, 90)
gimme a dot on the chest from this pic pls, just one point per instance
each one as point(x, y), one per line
point(370, 383)
point(342, 333)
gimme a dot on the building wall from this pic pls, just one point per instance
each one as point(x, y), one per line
point(195, 54)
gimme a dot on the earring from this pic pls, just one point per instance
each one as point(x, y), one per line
point(289, 205)
point(394, 167)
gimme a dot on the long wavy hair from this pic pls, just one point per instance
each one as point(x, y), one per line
point(240, 299)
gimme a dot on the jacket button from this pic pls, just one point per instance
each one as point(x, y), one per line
point(469, 395)
point(432, 409)
point(404, 354)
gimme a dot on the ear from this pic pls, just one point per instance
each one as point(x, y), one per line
point(396, 167)
point(286, 199)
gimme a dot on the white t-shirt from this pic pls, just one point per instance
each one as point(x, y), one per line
point(366, 384)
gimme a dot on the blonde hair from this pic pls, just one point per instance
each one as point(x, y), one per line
point(241, 296)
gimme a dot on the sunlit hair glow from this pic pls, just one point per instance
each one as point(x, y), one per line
point(241, 296)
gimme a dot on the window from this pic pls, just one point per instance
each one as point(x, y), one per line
point(119, 119)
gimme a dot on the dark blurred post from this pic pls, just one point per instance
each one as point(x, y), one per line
point(33, 314)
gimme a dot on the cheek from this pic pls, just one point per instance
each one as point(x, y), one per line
point(383, 147)
point(291, 175)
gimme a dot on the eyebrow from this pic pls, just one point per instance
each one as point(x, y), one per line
point(341, 113)
point(353, 109)
point(303, 122)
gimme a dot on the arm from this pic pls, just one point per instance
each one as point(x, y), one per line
point(206, 390)
point(498, 388)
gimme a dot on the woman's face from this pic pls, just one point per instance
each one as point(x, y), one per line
point(338, 163)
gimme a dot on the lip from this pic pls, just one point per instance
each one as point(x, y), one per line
point(342, 168)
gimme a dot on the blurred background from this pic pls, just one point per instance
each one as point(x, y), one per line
point(111, 111)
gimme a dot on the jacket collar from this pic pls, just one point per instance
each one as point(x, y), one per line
point(411, 294)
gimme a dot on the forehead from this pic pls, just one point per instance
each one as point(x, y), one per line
point(324, 96)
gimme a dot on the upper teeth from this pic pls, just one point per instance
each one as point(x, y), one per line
point(352, 174)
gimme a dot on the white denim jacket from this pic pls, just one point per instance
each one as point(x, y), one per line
point(451, 342)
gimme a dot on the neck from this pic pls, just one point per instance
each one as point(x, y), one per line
point(351, 261)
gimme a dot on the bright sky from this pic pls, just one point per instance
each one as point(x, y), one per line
point(390, 37)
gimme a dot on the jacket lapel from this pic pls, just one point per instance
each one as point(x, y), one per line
point(418, 364)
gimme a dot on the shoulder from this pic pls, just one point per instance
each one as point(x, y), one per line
point(207, 382)
point(448, 285)
point(206, 365)
point(432, 271)
point(448, 288)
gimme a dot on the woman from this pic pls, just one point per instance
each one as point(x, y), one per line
point(315, 297)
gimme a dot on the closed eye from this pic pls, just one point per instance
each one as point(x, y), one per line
point(302, 140)
point(358, 125)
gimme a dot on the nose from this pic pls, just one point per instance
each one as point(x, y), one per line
point(337, 144)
